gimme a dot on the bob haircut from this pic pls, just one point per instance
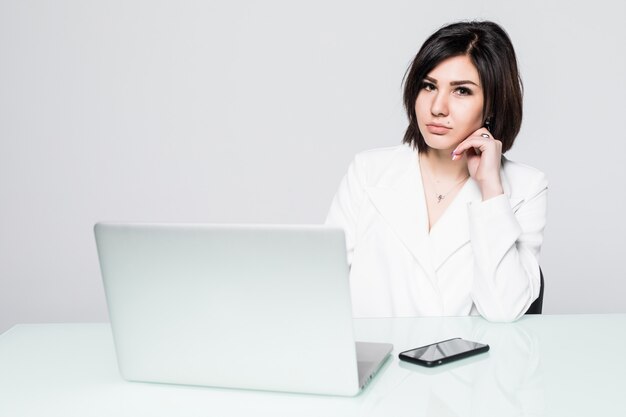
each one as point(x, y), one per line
point(491, 51)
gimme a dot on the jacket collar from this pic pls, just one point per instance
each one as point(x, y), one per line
point(398, 195)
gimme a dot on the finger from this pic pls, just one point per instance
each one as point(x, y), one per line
point(479, 143)
point(482, 132)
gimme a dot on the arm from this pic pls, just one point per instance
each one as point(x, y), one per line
point(345, 206)
point(506, 246)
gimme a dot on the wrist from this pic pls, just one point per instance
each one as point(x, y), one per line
point(490, 189)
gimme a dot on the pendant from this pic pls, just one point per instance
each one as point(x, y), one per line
point(439, 198)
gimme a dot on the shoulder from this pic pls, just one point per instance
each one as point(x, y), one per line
point(378, 165)
point(523, 179)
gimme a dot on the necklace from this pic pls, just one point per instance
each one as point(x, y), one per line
point(444, 195)
point(440, 196)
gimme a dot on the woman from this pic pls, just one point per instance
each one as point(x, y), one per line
point(444, 225)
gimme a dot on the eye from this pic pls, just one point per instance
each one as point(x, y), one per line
point(463, 91)
point(428, 86)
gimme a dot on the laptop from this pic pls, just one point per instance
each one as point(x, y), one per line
point(261, 307)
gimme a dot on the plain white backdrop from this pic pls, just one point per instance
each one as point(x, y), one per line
point(246, 111)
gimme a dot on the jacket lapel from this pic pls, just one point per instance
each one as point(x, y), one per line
point(451, 232)
point(399, 198)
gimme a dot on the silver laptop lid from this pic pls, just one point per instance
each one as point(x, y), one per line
point(242, 306)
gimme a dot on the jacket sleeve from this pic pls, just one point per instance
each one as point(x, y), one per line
point(506, 245)
point(344, 209)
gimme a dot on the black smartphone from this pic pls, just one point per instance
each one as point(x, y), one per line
point(443, 352)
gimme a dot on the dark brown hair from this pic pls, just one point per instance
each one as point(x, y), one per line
point(491, 51)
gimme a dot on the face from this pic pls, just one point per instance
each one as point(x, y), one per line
point(449, 106)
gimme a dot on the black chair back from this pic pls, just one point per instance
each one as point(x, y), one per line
point(537, 305)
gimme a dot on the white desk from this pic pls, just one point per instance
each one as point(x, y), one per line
point(541, 365)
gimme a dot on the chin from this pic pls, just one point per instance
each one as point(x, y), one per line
point(441, 145)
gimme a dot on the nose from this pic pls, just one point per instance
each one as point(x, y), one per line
point(439, 105)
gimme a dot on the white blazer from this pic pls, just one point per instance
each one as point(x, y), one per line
point(479, 258)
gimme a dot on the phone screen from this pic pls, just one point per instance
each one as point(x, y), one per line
point(442, 350)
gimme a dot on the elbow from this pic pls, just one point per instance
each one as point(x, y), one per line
point(502, 317)
point(499, 313)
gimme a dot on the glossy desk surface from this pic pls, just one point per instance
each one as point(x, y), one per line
point(572, 365)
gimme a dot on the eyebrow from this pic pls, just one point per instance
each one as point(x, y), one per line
point(452, 83)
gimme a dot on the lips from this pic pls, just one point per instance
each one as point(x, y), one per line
point(437, 129)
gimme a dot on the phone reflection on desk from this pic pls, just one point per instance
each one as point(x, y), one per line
point(490, 384)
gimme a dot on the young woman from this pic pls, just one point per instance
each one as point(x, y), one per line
point(444, 225)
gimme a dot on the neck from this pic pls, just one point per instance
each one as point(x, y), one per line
point(441, 166)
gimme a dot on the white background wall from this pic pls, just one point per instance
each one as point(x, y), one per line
point(245, 111)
